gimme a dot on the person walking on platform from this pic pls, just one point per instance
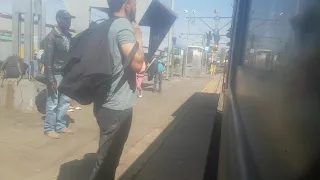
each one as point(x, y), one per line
point(161, 67)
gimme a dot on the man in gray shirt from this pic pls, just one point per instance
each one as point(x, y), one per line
point(122, 96)
point(115, 115)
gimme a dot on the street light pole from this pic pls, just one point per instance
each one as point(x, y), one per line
point(169, 49)
point(16, 28)
point(187, 51)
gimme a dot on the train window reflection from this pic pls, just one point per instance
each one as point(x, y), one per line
point(270, 35)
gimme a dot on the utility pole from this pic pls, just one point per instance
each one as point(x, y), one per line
point(40, 11)
point(187, 51)
point(169, 57)
point(216, 20)
point(16, 27)
point(216, 35)
point(28, 31)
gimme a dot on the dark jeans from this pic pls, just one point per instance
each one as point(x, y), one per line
point(157, 80)
point(114, 129)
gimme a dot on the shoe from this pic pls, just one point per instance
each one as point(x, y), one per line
point(70, 110)
point(78, 108)
point(71, 107)
point(52, 135)
point(67, 131)
point(140, 95)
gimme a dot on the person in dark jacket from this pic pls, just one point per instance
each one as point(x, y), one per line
point(56, 46)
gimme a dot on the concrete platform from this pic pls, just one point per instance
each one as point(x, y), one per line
point(26, 154)
point(183, 153)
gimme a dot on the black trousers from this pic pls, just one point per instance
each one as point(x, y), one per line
point(114, 129)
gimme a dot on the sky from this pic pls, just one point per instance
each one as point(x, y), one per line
point(202, 8)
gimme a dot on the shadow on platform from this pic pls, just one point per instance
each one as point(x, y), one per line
point(78, 169)
point(147, 86)
point(69, 119)
point(180, 152)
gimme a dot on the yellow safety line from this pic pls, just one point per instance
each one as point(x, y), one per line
point(207, 85)
point(212, 86)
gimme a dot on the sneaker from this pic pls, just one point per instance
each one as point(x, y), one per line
point(70, 110)
point(140, 95)
point(78, 108)
point(71, 107)
point(52, 135)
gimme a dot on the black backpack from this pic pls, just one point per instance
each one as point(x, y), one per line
point(89, 72)
point(41, 100)
point(13, 67)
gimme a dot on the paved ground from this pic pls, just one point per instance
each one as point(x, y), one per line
point(25, 154)
point(183, 154)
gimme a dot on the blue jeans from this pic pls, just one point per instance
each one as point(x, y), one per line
point(56, 108)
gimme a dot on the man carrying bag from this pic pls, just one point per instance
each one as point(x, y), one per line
point(56, 47)
point(103, 71)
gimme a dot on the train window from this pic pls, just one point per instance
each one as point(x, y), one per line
point(270, 35)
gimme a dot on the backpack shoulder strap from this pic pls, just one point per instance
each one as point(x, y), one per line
point(125, 65)
point(133, 52)
point(128, 59)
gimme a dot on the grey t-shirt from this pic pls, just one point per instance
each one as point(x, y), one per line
point(123, 89)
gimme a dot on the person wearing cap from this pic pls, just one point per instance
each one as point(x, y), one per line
point(115, 115)
point(56, 46)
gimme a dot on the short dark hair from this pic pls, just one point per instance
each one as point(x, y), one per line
point(115, 5)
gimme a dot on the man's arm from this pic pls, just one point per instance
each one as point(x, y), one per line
point(162, 63)
point(48, 57)
point(138, 60)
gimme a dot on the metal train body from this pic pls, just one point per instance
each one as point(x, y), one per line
point(271, 119)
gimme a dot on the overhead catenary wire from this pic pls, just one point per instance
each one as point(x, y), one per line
point(198, 28)
point(206, 24)
point(225, 25)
